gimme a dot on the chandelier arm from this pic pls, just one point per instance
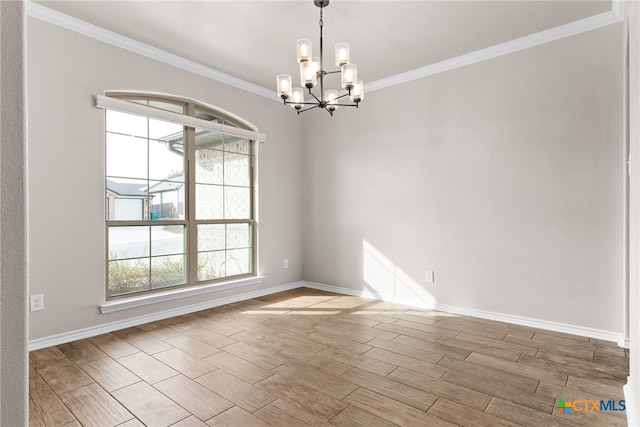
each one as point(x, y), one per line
point(301, 103)
point(320, 101)
point(310, 108)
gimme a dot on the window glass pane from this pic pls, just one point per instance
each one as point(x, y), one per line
point(238, 236)
point(238, 262)
point(167, 200)
point(176, 108)
point(167, 271)
point(138, 101)
point(126, 199)
point(208, 139)
point(166, 161)
point(211, 237)
point(128, 242)
point(209, 166)
point(126, 124)
point(126, 156)
point(209, 201)
point(165, 131)
point(205, 115)
point(236, 169)
point(236, 144)
point(128, 276)
point(210, 265)
point(167, 239)
point(237, 202)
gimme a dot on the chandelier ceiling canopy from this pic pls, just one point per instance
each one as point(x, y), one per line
point(312, 73)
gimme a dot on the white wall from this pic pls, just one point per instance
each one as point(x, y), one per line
point(504, 177)
point(632, 389)
point(66, 173)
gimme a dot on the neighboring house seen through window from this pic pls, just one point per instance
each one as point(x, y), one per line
point(179, 200)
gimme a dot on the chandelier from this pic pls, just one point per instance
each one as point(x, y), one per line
point(312, 72)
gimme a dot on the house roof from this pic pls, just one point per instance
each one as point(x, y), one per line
point(126, 188)
point(166, 186)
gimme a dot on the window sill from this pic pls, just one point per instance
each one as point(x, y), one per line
point(140, 301)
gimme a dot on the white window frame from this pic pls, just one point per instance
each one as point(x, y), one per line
point(245, 130)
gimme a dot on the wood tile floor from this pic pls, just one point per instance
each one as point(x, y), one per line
point(306, 357)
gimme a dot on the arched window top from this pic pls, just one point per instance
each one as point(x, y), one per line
point(166, 106)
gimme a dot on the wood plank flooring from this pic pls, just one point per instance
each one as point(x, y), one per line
point(311, 358)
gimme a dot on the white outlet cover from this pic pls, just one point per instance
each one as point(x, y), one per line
point(36, 302)
point(429, 277)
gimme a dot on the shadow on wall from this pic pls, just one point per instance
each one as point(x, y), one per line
point(384, 279)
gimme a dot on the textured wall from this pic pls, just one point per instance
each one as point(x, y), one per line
point(504, 177)
point(13, 230)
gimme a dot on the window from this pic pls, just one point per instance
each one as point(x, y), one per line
point(179, 197)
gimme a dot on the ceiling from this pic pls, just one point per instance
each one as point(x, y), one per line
point(255, 40)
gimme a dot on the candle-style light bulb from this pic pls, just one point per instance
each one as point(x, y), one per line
point(297, 97)
point(330, 97)
point(342, 54)
point(304, 50)
point(308, 74)
point(283, 82)
point(349, 76)
point(357, 93)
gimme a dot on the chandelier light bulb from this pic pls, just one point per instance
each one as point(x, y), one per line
point(304, 50)
point(308, 74)
point(330, 97)
point(284, 86)
point(357, 93)
point(297, 98)
point(342, 54)
point(315, 62)
point(349, 76)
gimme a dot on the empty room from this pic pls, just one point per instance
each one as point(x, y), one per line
point(326, 213)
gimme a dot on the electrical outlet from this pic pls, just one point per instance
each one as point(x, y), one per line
point(286, 264)
point(37, 302)
point(428, 276)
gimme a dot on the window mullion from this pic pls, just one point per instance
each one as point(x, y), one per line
point(192, 229)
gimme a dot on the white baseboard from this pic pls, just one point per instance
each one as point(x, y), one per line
point(632, 408)
point(507, 318)
point(139, 320)
point(624, 342)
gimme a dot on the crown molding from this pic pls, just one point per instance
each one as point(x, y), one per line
point(552, 34)
point(615, 15)
point(51, 16)
point(617, 7)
